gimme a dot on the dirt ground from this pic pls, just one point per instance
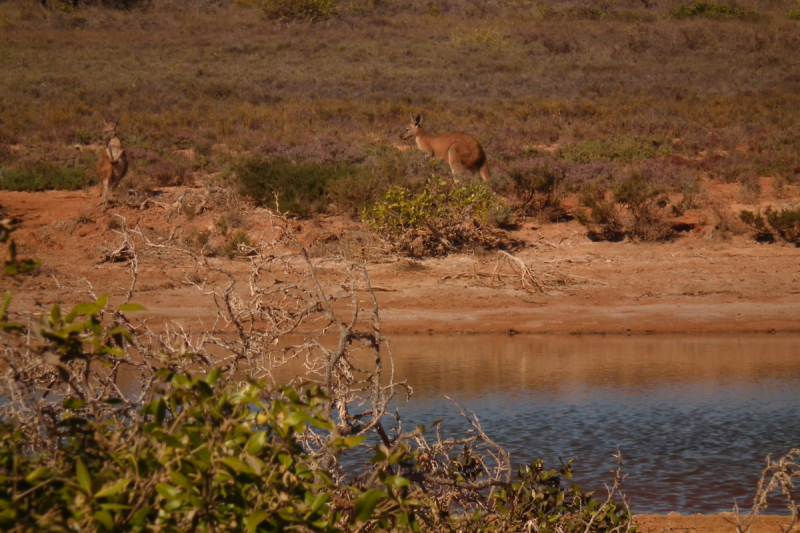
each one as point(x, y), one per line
point(720, 523)
point(702, 282)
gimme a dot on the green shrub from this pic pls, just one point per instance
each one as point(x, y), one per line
point(399, 211)
point(710, 9)
point(533, 185)
point(753, 219)
point(368, 182)
point(203, 462)
point(794, 14)
point(635, 210)
point(302, 10)
point(231, 247)
point(301, 188)
point(436, 221)
point(42, 176)
point(625, 149)
point(784, 223)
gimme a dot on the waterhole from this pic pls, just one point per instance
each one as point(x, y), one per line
point(694, 417)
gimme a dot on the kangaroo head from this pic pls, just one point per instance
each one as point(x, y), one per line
point(411, 131)
point(109, 130)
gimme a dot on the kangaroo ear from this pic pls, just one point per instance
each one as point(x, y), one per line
point(105, 122)
point(117, 122)
point(418, 120)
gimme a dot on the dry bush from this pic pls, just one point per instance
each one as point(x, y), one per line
point(351, 245)
point(535, 278)
point(633, 208)
point(779, 479)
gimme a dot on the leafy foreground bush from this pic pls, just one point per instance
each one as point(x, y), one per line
point(206, 458)
point(437, 221)
point(635, 209)
point(784, 223)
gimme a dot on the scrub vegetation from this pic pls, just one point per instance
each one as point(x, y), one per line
point(306, 99)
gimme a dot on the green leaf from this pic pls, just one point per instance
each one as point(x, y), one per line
point(349, 442)
point(181, 381)
point(213, 376)
point(73, 403)
point(84, 479)
point(318, 421)
point(366, 504)
point(255, 518)
point(257, 442)
point(36, 475)
point(236, 464)
point(140, 516)
point(319, 501)
point(285, 459)
point(169, 492)
point(55, 313)
point(115, 507)
point(130, 308)
point(109, 489)
point(104, 518)
point(396, 481)
point(159, 409)
point(102, 300)
point(295, 418)
point(180, 480)
point(86, 308)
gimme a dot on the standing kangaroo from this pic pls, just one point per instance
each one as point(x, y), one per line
point(113, 163)
point(461, 150)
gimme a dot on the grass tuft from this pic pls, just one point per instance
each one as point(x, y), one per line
point(488, 37)
point(301, 10)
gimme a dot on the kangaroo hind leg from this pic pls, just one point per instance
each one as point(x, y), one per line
point(485, 172)
point(456, 166)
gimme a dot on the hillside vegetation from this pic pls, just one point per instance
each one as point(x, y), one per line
point(590, 88)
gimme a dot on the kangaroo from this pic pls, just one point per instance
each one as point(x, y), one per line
point(462, 151)
point(113, 163)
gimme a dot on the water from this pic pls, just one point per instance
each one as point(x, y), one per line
point(694, 417)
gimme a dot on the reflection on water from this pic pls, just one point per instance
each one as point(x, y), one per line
point(694, 417)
